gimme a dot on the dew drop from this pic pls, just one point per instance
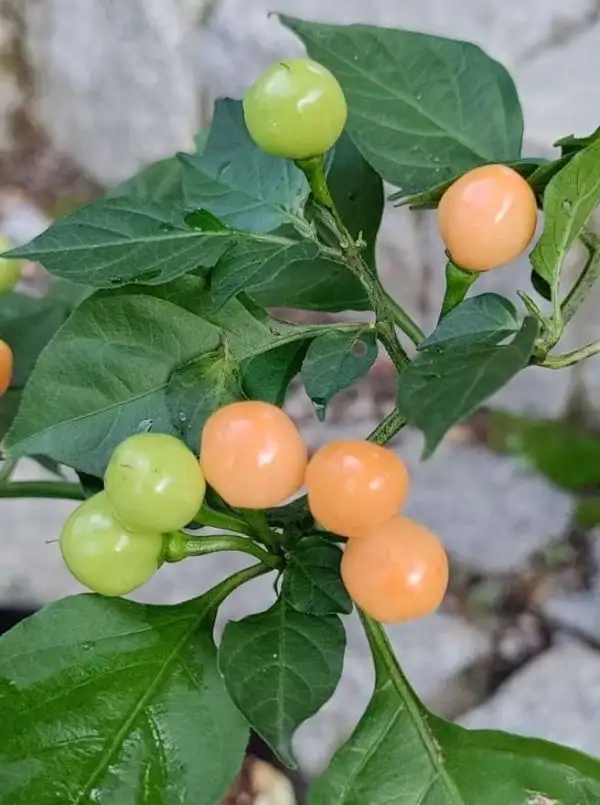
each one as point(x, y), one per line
point(87, 646)
point(145, 426)
point(182, 417)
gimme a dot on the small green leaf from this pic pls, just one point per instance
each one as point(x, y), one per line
point(569, 201)
point(401, 753)
point(322, 284)
point(280, 667)
point(415, 111)
point(336, 360)
point(444, 385)
point(126, 239)
point(106, 700)
point(485, 319)
point(571, 144)
point(240, 183)
point(268, 375)
point(312, 581)
point(249, 264)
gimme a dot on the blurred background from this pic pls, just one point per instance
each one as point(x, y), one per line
point(91, 90)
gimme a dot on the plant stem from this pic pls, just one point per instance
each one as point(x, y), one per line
point(8, 467)
point(458, 282)
point(386, 309)
point(389, 339)
point(570, 358)
point(386, 430)
point(259, 525)
point(179, 546)
point(581, 288)
point(213, 519)
point(225, 588)
point(42, 489)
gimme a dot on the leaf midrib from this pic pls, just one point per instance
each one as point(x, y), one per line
point(408, 100)
point(107, 756)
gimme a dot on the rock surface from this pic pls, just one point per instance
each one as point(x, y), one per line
point(115, 87)
point(556, 697)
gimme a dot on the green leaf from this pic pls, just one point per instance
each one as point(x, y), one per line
point(9, 405)
point(247, 265)
point(27, 323)
point(444, 385)
point(336, 360)
point(567, 454)
point(268, 375)
point(357, 191)
point(422, 109)
point(540, 177)
point(485, 319)
point(106, 700)
point(322, 284)
point(108, 371)
point(401, 753)
point(160, 181)
point(430, 198)
point(312, 581)
point(280, 667)
point(569, 201)
point(198, 389)
point(571, 144)
point(126, 239)
point(237, 181)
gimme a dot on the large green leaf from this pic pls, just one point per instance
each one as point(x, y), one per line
point(198, 389)
point(444, 385)
point(238, 181)
point(569, 201)
point(280, 667)
point(312, 581)
point(109, 701)
point(335, 361)
point(488, 318)
point(125, 239)
point(125, 361)
point(422, 109)
point(401, 753)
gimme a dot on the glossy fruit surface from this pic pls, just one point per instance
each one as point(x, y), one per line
point(252, 454)
point(6, 367)
point(102, 554)
point(296, 109)
point(10, 270)
point(355, 485)
point(154, 483)
point(397, 572)
point(487, 217)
